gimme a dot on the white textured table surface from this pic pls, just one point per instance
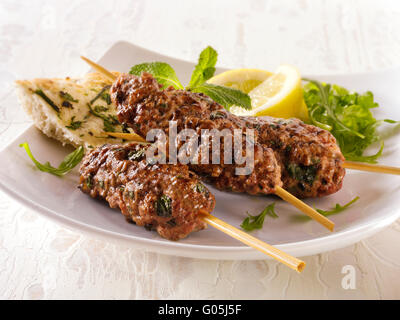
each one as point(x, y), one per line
point(39, 259)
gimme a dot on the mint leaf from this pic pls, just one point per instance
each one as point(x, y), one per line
point(205, 67)
point(256, 222)
point(161, 71)
point(203, 71)
point(69, 162)
point(225, 96)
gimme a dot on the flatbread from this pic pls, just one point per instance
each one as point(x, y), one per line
point(73, 111)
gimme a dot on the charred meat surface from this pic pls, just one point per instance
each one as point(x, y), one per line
point(311, 161)
point(161, 197)
point(308, 159)
point(143, 105)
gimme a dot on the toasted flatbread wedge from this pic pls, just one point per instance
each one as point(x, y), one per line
point(73, 111)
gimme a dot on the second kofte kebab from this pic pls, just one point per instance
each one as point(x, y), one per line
point(265, 178)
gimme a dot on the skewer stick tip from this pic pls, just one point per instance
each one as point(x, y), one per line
point(99, 68)
point(371, 167)
point(288, 260)
point(312, 213)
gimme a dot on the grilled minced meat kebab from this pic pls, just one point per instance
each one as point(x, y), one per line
point(306, 159)
point(161, 197)
point(142, 105)
point(311, 161)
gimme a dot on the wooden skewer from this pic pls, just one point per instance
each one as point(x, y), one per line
point(282, 193)
point(279, 191)
point(312, 213)
point(99, 68)
point(127, 136)
point(253, 242)
point(371, 167)
point(347, 164)
point(221, 225)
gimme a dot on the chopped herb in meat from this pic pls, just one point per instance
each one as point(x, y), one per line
point(306, 174)
point(136, 155)
point(89, 182)
point(217, 115)
point(163, 206)
point(172, 222)
point(199, 187)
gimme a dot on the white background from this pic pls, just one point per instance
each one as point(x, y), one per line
point(39, 259)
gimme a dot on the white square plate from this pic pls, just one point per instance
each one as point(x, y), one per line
point(60, 199)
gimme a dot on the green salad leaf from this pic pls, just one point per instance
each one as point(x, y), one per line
point(256, 222)
point(347, 115)
point(162, 71)
point(203, 71)
point(335, 210)
point(69, 162)
point(338, 208)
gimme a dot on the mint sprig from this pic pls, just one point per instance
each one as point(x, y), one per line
point(203, 71)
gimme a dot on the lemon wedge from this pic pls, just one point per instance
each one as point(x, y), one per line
point(276, 94)
point(242, 79)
